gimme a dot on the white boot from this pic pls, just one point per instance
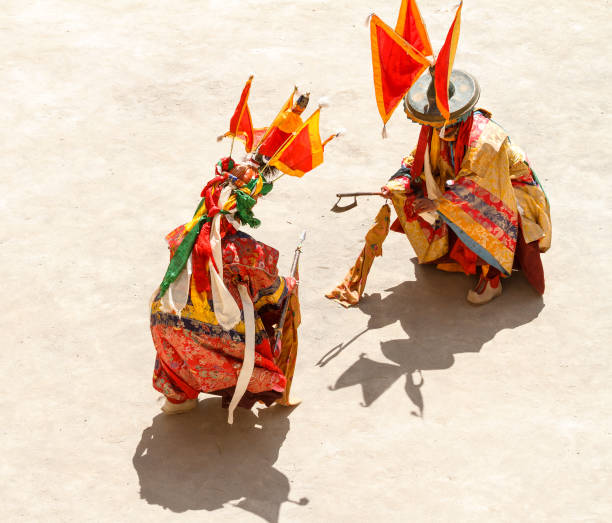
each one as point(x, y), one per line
point(484, 291)
point(178, 408)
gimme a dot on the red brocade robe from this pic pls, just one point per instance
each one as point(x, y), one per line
point(195, 354)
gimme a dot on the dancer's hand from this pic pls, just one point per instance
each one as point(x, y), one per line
point(385, 191)
point(423, 205)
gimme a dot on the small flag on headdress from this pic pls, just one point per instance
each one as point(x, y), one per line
point(266, 130)
point(241, 125)
point(303, 151)
point(411, 28)
point(396, 64)
point(444, 65)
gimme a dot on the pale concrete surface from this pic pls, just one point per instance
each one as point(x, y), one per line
point(110, 113)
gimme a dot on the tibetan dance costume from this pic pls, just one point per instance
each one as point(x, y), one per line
point(223, 320)
point(466, 198)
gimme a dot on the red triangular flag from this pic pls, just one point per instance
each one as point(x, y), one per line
point(444, 65)
point(411, 28)
point(241, 125)
point(303, 152)
point(396, 65)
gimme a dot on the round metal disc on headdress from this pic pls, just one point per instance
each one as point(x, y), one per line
point(420, 102)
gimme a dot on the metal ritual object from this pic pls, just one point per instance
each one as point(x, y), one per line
point(420, 102)
point(339, 208)
point(293, 272)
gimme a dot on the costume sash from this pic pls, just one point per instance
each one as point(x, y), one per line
point(248, 360)
point(433, 191)
point(225, 307)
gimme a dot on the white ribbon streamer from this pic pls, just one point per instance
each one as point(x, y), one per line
point(433, 191)
point(248, 361)
point(175, 299)
point(226, 308)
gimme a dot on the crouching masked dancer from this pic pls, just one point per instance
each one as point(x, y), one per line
point(215, 319)
point(466, 198)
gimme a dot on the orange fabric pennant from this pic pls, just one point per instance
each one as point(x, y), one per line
point(396, 65)
point(303, 151)
point(241, 125)
point(444, 65)
point(287, 105)
point(410, 27)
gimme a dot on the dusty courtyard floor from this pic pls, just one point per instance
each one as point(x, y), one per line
point(110, 113)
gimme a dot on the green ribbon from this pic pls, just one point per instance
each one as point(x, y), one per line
point(183, 251)
point(199, 206)
point(245, 203)
point(244, 213)
point(179, 260)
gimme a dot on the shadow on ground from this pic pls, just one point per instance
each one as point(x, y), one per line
point(439, 323)
point(196, 461)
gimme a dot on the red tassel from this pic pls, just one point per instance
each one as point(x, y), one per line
point(463, 138)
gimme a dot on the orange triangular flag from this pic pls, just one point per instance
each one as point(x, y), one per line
point(287, 105)
point(411, 28)
point(444, 65)
point(303, 151)
point(396, 65)
point(241, 125)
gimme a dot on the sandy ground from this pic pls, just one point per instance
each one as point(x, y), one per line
point(110, 113)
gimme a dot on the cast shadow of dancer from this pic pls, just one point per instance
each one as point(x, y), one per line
point(439, 322)
point(196, 461)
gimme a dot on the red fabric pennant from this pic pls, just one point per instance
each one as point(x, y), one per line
point(444, 65)
point(303, 152)
point(411, 28)
point(241, 125)
point(299, 156)
point(396, 66)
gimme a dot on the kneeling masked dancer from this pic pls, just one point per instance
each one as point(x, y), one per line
point(466, 198)
point(223, 320)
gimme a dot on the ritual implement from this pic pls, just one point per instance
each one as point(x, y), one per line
point(293, 273)
point(338, 208)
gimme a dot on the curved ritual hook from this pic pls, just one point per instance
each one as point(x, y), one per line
point(339, 208)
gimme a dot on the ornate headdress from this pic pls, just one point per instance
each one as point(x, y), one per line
point(289, 144)
point(420, 102)
point(400, 58)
